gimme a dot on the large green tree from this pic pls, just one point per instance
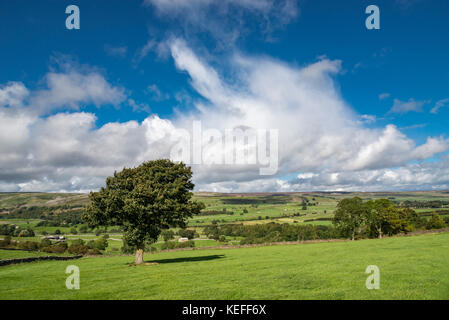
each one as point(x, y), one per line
point(383, 218)
point(144, 200)
point(350, 216)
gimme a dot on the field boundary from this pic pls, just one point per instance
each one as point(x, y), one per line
point(33, 259)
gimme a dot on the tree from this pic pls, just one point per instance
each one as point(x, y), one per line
point(187, 233)
point(435, 222)
point(384, 218)
point(144, 200)
point(350, 216)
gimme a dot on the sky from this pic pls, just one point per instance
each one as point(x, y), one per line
point(353, 109)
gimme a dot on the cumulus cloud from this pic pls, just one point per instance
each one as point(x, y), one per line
point(317, 129)
point(13, 94)
point(72, 89)
point(321, 139)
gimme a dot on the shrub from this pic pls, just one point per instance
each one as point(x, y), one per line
point(78, 249)
point(26, 233)
point(5, 242)
point(45, 243)
point(93, 252)
point(73, 231)
point(78, 242)
point(435, 222)
point(187, 233)
point(28, 245)
point(99, 244)
point(187, 244)
point(62, 245)
point(168, 245)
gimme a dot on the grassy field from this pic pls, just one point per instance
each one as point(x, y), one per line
point(410, 268)
point(15, 254)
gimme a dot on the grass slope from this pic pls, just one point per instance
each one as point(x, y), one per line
point(410, 267)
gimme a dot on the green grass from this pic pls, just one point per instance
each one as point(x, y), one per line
point(410, 268)
point(15, 254)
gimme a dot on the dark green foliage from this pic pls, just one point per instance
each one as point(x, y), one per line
point(271, 232)
point(168, 235)
point(188, 233)
point(376, 218)
point(7, 229)
point(144, 200)
point(5, 242)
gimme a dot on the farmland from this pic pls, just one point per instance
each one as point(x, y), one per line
point(410, 268)
point(30, 210)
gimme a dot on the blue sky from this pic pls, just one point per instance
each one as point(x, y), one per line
point(143, 55)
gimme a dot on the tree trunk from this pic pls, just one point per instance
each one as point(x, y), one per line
point(380, 233)
point(353, 235)
point(139, 256)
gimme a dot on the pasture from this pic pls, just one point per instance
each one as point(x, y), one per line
point(410, 268)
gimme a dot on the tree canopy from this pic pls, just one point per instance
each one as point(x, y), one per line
point(144, 201)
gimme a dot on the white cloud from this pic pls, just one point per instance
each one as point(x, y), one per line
point(321, 140)
point(409, 106)
point(384, 96)
point(226, 20)
point(440, 104)
point(13, 94)
point(116, 51)
point(318, 131)
point(72, 89)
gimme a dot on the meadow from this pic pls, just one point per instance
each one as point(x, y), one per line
point(410, 268)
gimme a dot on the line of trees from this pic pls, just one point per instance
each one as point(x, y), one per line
point(377, 218)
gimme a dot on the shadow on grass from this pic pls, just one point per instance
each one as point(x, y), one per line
point(188, 259)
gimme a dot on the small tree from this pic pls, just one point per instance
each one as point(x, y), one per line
point(435, 222)
point(143, 201)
